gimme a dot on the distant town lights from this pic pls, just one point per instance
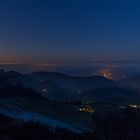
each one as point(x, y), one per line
point(106, 73)
point(87, 109)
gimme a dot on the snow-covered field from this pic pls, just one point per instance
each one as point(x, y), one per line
point(42, 119)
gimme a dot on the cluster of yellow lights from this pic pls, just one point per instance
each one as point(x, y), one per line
point(106, 74)
point(87, 109)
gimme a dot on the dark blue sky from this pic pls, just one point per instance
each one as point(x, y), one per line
point(49, 31)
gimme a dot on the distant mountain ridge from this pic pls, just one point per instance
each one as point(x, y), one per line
point(74, 81)
point(62, 87)
point(10, 86)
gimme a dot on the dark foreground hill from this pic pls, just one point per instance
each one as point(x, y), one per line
point(109, 126)
point(14, 129)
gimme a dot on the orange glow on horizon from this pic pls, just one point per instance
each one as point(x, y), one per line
point(106, 73)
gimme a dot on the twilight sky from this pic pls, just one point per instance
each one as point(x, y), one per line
point(51, 31)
